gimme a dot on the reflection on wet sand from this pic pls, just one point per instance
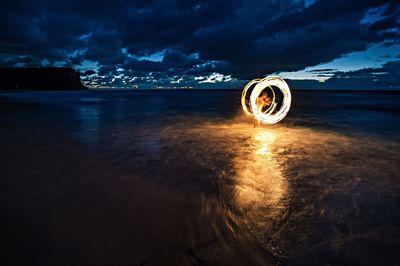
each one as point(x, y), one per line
point(251, 184)
point(173, 178)
point(260, 181)
point(191, 190)
point(289, 186)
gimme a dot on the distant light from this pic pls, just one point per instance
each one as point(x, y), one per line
point(272, 114)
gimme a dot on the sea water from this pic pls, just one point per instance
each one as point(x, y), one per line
point(183, 177)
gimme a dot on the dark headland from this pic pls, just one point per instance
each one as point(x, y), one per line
point(40, 78)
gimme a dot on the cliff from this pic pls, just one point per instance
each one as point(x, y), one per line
point(42, 78)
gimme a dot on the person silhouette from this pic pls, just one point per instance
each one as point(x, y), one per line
point(263, 101)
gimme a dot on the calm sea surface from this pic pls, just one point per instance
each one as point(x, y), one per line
point(181, 177)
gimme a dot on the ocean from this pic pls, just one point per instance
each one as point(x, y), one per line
point(181, 177)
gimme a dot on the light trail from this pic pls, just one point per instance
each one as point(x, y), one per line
point(272, 114)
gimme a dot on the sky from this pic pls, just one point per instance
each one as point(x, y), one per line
point(322, 44)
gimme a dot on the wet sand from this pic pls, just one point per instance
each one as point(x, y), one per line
point(80, 208)
point(87, 180)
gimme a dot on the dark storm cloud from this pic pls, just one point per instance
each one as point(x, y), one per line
point(191, 38)
point(318, 34)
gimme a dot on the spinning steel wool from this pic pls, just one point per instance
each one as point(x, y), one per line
point(274, 88)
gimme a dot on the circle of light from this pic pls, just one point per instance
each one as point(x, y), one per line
point(244, 92)
point(267, 117)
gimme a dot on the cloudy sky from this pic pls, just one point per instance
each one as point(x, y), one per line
point(332, 44)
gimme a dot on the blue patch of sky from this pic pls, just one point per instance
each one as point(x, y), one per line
point(374, 57)
point(374, 14)
point(88, 65)
point(155, 57)
point(84, 37)
point(308, 3)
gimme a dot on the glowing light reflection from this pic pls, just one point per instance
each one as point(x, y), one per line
point(261, 183)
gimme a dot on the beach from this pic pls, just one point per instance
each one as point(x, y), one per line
point(181, 177)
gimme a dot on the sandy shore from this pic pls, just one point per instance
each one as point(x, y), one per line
point(67, 205)
point(90, 184)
